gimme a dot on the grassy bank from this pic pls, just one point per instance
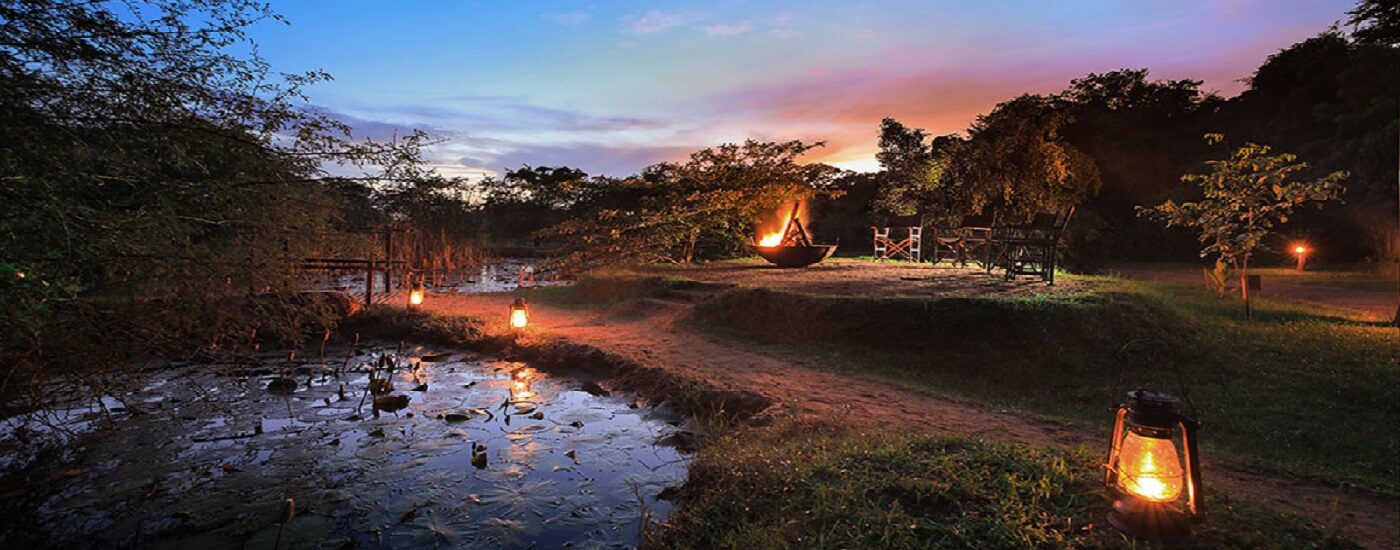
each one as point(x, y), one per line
point(1299, 389)
point(817, 486)
point(607, 289)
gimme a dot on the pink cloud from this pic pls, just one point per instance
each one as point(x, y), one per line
point(727, 29)
point(653, 22)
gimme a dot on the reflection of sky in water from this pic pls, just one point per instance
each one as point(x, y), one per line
point(562, 465)
point(502, 276)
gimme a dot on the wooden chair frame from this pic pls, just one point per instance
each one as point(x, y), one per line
point(909, 248)
point(1030, 249)
point(970, 240)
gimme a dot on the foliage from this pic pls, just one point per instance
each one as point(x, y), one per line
point(1245, 197)
point(908, 174)
point(815, 485)
point(1333, 101)
point(155, 172)
point(706, 207)
point(1377, 22)
point(1015, 161)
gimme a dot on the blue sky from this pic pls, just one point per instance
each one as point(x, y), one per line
point(613, 86)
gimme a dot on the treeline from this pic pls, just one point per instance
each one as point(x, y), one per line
point(157, 179)
point(1106, 144)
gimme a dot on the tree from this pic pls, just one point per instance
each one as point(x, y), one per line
point(706, 207)
point(1018, 162)
point(154, 170)
point(1245, 197)
point(1377, 22)
point(906, 163)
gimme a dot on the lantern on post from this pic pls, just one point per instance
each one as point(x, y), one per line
point(1153, 468)
point(1301, 250)
point(519, 314)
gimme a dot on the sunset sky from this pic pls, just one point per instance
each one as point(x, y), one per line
point(613, 86)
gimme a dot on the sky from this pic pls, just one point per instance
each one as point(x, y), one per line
point(611, 87)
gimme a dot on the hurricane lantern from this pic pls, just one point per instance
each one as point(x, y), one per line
point(519, 314)
point(1153, 468)
point(415, 296)
point(1301, 251)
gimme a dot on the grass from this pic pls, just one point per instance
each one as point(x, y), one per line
point(1299, 389)
point(817, 486)
point(394, 323)
point(1374, 278)
point(607, 289)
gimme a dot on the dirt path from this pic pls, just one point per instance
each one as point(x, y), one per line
point(1371, 305)
point(648, 333)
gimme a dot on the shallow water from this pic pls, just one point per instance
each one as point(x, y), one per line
point(501, 276)
point(194, 458)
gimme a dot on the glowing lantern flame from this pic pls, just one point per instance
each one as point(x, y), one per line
point(1150, 468)
point(415, 298)
point(1300, 249)
point(519, 317)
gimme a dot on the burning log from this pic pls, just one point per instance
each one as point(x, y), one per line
point(792, 247)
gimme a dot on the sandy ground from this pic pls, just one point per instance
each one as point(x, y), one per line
point(648, 332)
point(864, 278)
point(1368, 304)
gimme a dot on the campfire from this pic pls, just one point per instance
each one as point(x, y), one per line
point(791, 246)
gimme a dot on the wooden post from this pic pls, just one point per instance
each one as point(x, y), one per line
point(388, 259)
point(369, 283)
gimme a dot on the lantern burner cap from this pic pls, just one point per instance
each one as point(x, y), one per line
point(1151, 408)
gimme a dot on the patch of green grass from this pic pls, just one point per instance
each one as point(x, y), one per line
point(1360, 279)
point(798, 485)
point(603, 290)
point(1299, 389)
point(392, 323)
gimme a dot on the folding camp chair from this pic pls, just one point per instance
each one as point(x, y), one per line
point(909, 248)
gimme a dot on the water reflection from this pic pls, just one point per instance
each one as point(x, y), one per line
point(559, 465)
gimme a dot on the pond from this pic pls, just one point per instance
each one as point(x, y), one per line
point(486, 453)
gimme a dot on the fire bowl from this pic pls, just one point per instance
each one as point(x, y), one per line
point(795, 256)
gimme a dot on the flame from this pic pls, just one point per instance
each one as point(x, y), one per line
point(1300, 250)
point(772, 235)
point(1150, 468)
point(518, 318)
point(415, 298)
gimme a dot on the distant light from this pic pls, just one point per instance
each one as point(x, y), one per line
point(1300, 249)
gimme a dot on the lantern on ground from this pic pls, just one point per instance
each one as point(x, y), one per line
point(519, 314)
point(1301, 250)
point(1154, 468)
point(415, 296)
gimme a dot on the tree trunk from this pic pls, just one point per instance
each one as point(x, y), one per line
point(1244, 289)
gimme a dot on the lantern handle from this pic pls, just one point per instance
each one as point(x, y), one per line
point(1193, 464)
point(1118, 376)
point(1111, 465)
point(1181, 387)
